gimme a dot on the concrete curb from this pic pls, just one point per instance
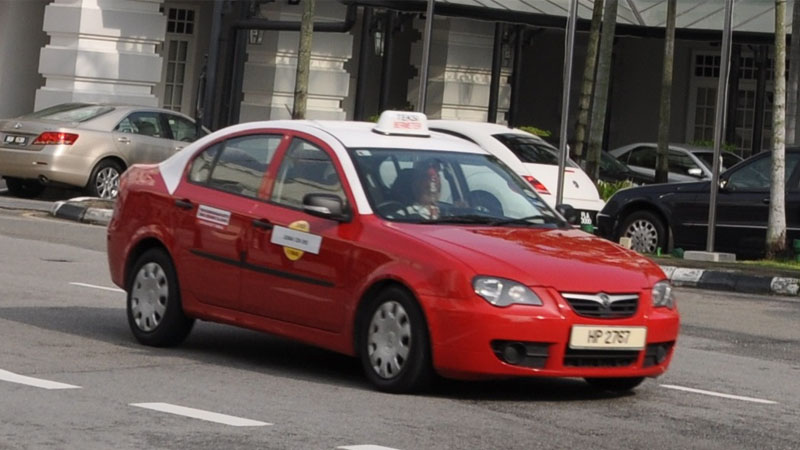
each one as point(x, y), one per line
point(84, 209)
point(732, 280)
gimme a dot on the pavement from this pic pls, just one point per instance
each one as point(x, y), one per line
point(737, 276)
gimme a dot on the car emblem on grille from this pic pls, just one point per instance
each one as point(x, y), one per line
point(17, 126)
point(605, 299)
point(577, 186)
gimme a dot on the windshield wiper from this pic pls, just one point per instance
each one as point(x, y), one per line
point(518, 221)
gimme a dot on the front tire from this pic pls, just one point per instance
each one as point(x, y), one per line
point(24, 188)
point(155, 313)
point(104, 180)
point(394, 346)
point(615, 384)
point(646, 230)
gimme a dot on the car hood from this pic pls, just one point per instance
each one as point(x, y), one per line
point(564, 259)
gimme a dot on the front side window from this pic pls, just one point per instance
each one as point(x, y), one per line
point(237, 165)
point(306, 169)
point(642, 157)
point(448, 187)
point(756, 176)
point(682, 163)
point(183, 130)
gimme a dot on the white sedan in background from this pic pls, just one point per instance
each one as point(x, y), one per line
point(533, 159)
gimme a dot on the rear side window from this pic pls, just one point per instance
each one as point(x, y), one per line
point(306, 169)
point(142, 123)
point(71, 112)
point(531, 150)
point(642, 157)
point(237, 165)
point(182, 129)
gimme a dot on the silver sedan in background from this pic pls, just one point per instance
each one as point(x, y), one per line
point(87, 145)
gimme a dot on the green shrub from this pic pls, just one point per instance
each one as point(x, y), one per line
point(710, 144)
point(607, 189)
point(536, 131)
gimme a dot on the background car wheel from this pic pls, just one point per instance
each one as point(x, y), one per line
point(615, 384)
point(104, 180)
point(646, 230)
point(24, 188)
point(394, 346)
point(155, 313)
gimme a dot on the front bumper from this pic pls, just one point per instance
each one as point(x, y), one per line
point(465, 341)
point(605, 226)
point(56, 163)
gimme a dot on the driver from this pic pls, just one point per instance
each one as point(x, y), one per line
point(426, 187)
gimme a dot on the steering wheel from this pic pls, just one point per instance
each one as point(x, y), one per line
point(390, 208)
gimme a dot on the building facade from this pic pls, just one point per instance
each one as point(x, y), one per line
point(156, 52)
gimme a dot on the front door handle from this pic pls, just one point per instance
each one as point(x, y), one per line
point(179, 147)
point(263, 224)
point(184, 204)
point(124, 140)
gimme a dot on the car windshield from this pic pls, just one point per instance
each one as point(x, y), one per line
point(728, 159)
point(448, 187)
point(70, 112)
point(612, 165)
point(531, 150)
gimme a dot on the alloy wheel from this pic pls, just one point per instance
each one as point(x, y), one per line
point(107, 182)
point(644, 236)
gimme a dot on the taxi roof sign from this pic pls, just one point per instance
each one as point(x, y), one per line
point(403, 123)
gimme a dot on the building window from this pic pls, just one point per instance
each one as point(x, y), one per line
point(180, 21)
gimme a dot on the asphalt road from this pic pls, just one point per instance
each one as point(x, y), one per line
point(733, 382)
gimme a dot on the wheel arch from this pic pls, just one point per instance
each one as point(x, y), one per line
point(370, 293)
point(138, 250)
point(642, 205)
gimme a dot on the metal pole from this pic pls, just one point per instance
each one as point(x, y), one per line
point(209, 89)
point(719, 122)
point(426, 56)
point(497, 62)
point(569, 45)
point(363, 64)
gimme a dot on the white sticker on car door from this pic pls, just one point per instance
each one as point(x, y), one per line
point(213, 215)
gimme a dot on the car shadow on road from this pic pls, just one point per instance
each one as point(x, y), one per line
point(243, 349)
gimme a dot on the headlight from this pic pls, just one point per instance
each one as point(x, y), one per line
point(502, 292)
point(662, 295)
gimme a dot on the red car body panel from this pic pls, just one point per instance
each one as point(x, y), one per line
point(235, 275)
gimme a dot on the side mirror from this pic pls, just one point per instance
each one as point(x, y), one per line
point(327, 206)
point(569, 213)
point(695, 172)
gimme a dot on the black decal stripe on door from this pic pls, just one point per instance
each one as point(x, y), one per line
point(262, 269)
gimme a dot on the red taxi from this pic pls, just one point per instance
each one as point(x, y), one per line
point(417, 252)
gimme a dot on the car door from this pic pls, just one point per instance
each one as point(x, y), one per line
point(142, 138)
point(224, 183)
point(743, 205)
point(299, 267)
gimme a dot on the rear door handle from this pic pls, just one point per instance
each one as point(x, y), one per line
point(124, 140)
point(184, 204)
point(263, 224)
point(765, 201)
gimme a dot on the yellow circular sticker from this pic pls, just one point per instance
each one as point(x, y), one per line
point(293, 253)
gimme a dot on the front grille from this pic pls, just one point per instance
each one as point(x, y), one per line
point(600, 358)
point(603, 306)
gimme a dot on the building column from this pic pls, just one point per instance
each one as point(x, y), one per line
point(269, 74)
point(101, 51)
point(460, 71)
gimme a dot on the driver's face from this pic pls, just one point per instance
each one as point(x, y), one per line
point(433, 182)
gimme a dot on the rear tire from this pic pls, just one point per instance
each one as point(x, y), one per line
point(393, 343)
point(24, 188)
point(646, 230)
point(615, 384)
point(155, 312)
point(104, 180)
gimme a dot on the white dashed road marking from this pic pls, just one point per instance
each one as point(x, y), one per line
point(364, 447)
point(718, 394)
point(200, 414)
point(97, 287)
point(35, 382)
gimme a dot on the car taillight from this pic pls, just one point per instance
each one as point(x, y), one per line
point(55, 138)
point(536, 184)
